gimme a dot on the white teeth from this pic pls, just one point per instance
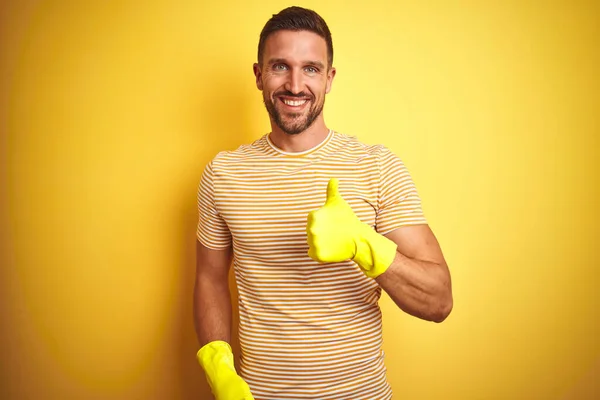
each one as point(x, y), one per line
point(294, 103)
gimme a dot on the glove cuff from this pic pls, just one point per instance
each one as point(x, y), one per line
point(216, 358)
point(374, 252)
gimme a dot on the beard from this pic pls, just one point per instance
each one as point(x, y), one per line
point(293, 123)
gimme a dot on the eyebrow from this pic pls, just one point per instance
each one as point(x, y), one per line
point(317, 64)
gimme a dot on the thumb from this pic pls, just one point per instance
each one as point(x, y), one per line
point(332, 190)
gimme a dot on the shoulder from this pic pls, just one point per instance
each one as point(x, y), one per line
point(348, 142)
point(226, 159)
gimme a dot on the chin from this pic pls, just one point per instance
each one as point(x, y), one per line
point(295, 128)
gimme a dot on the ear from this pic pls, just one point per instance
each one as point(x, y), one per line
point(258, 75)
point(330, 76)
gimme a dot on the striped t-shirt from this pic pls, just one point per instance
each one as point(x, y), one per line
point(307, 330)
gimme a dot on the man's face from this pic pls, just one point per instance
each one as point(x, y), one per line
point(294, 78)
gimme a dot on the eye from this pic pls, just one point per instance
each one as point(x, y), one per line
point(279, 67)
point(311, 70)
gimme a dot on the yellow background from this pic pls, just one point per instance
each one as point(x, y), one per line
point(109, 110)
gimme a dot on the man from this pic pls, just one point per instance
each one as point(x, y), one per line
point(317, 224)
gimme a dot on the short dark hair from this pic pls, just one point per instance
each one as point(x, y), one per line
point(296, 19)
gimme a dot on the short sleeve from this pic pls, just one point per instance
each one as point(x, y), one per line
point(399, 203)
point(212, 230)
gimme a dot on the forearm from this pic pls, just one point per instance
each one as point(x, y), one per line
point(212, 310)
point(420, 288)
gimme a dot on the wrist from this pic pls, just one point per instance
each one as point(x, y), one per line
point(374, 252)
point(215, 355)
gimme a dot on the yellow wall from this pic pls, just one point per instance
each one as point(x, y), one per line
point(109, 110)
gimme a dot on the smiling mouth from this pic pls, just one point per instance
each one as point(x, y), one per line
point(294, 103)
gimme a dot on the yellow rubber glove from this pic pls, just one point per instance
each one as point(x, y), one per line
point(216, 358)
point(335, 234)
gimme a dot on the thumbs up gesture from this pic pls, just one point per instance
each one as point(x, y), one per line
point(330, 229)
point(335, 234)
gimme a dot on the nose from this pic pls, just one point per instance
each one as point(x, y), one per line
point(294, 82)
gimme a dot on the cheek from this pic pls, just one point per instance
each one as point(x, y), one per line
point(319, 88)
point(271, 86)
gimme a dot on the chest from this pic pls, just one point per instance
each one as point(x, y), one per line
point(262, 203)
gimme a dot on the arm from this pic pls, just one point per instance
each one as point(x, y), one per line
point(212, 301)
point(418, 280)
point(407, 263)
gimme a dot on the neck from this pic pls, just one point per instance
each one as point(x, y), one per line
point(302, 141)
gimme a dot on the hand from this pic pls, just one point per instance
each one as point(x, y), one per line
point(335, 234)
point(331, 229)
point(217, 360)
